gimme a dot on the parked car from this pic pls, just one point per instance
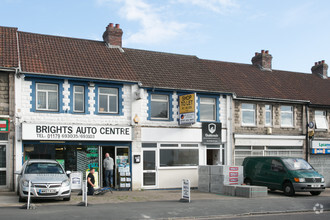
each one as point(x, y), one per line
point(48, 180)
point(283, 173)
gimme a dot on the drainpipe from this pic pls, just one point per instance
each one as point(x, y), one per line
point(307, 138)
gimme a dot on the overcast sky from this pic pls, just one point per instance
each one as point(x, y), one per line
point(296, 32)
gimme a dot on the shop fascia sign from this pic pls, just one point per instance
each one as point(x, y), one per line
point(76, 132)
point(4, 125)
point(187, 109)
point(320, 147)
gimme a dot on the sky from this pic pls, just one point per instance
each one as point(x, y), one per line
point(296, 32)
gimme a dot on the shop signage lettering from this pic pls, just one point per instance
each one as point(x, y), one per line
point(321, 144)
point(187, 109)
point(4, 125)
point(75, 132)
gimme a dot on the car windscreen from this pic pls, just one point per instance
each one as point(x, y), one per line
point(297, 164)
point(43, 168)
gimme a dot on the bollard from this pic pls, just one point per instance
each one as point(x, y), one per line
point(29, 196)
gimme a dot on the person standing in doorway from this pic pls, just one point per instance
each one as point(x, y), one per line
point(91, 182)
point(108, 167)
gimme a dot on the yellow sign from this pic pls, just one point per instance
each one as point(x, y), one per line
point(187, 103)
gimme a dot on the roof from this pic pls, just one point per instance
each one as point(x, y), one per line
point(247, 80)
point(8, 47)
point(174, 71)
point(65, 56)
point(72, 57)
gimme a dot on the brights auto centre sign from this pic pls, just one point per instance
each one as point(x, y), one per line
point(75, 132)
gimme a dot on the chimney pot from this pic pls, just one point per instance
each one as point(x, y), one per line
point(263, 60)
point(113, 36)
point(320, 69)
point(256, 53)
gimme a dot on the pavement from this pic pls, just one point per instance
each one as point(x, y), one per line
point(164, 204)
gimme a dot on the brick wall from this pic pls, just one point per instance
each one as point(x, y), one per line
point(260, 127)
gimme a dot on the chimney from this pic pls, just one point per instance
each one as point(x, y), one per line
point(321, 69)
point(113, 35)
point(263, 60)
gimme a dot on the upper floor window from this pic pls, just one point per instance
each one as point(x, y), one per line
point(78, 99)
point(108, 100)
point(47, 96)
point(207, 109)
point(268, 115)
point(159, 107)
point(286, 116)
point(248, 114)
point(321, 121)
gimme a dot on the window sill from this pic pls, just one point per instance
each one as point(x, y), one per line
point(251, 126)
point(47, 111)
point(287, 127)
point(178, 168)
point(158, 119)
point(322, 129)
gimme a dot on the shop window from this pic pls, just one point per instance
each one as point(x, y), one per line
point(286, 116)
point(268, 115)
point(159, 107)
point(3, 165)
point(78, 98)
point(321, 121)
point(108, 100)
point(207, 109)
point(179, 157)
point(47, 96)
point(248, 114)
point(4, 136)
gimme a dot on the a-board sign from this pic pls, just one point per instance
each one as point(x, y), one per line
point(76, 180)
point(186, 190)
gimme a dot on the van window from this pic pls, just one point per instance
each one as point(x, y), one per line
point(276, 166)
point(297, 164)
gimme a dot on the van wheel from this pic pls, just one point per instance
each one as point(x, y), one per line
point(288, 189)
point(247, 181)
point(315, 193)
point(67, 198)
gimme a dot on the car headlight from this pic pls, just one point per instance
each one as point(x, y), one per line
point(66, 182)
point(322, 180)
point(300, 180)
point(25, 183)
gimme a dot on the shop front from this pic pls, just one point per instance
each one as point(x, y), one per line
point(320, 158)
point(78, 148)
point(267, 145)
point(172, 154)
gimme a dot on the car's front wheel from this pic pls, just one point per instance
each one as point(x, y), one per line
point(67, 198)
point(315, 193)
point(21, 199)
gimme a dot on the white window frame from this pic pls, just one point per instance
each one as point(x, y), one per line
point(249, 110)
point(160, 100)
point(46, 91)
point(203, 101)
point(292, 118)
point(270, 111)
point(108, 95)
point(321, 120)
point(74, 98)
point(4, 169)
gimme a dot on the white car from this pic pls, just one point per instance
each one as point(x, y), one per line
point(48, 180)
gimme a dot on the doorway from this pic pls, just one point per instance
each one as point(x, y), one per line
point(111, 151)
point(213, 157)
point(149, 168)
